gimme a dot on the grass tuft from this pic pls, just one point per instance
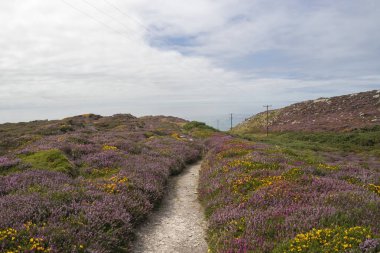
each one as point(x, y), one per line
point(51, 160)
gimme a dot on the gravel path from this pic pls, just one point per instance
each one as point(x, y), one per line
point(178, 225)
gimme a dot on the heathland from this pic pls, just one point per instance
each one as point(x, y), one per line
point(311, 185)
point(82, 184)
point(85, 183)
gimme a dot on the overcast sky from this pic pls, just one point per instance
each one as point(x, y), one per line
point(199, 59)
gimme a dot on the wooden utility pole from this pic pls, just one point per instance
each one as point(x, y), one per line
point(267, 106)
point(231, 121)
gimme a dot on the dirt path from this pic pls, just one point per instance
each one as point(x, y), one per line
point(178, 225)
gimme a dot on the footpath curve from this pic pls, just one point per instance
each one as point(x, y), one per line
point(178, 225)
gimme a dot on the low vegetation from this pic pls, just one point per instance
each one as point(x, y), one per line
point(365, 141)
point(335, 114)
point(267, 198)
point(199, 129)
point(312, 185)
point(52, 159)
point(83, 184)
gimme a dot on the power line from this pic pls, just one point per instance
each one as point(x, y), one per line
point(97, 20)
point(137, 21)
point(124, 34)
point(110, 28)
point(89, 16)
point(127, 15)
point(108, 15)
point(146, 28)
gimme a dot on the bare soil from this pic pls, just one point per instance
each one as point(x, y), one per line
point(178, 225)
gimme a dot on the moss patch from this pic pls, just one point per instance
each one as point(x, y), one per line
point(52, 160)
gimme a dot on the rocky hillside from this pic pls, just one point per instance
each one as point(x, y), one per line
point(342, 113)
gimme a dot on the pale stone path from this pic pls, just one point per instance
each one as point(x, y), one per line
point(179, 224)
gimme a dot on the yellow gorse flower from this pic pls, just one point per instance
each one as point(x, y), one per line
point(176, 136)
point(374, 188)
point(327, 167)
point(267, 181)
point(329, 240)
point(16, 241)
point(107, 148)
point(7, 233)
point(114, 183)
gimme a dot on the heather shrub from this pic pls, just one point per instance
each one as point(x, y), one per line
point(259, 198)
point(8, 164)
point(86, 182)
point(33, 179)
point(370, 245)
point(103, 159)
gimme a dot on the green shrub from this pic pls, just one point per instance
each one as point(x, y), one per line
point(360, 140)
point(199, 129)
point(53, 160)
point(199, 125)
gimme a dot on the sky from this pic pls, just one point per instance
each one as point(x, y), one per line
point(199, 59)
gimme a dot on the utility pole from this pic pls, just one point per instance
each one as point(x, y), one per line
point(267, 106)
point(231, 121)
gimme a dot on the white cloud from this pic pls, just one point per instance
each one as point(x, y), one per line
point(61, 59)
point(322, 34)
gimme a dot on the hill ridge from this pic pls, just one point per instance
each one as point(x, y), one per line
point(339, 113)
